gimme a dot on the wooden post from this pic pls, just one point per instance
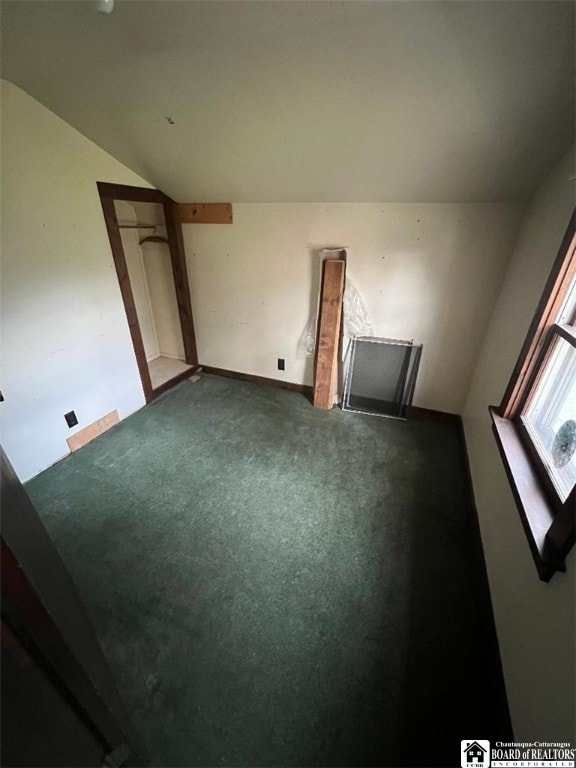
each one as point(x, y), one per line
point(329, 332)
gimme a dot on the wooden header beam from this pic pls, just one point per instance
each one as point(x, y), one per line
point(204, 213)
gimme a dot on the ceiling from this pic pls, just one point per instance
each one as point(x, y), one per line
point(309, 101)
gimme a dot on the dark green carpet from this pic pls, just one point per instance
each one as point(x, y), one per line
point(278, 586)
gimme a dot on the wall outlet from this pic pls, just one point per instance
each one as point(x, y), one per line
point(71, 419)
point(281, 364)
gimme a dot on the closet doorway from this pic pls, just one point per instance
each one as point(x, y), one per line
point(146, 241)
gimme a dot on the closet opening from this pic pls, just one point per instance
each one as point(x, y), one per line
point(146, 241)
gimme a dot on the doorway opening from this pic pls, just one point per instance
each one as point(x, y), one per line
point(146, 241)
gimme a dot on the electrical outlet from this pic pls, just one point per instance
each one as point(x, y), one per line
point(71, 419)
point(281, 364)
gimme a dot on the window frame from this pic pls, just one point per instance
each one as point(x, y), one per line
point(548, 521)
point(568, 334)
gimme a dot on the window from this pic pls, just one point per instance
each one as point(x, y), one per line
point(535, 426)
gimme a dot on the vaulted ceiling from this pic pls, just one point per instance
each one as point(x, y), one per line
point(309, 101)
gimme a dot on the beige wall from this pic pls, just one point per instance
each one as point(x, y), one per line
point(535, 621)
point(427, 272)
point(65, 339)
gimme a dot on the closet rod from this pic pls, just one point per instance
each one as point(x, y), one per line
point(153, 239)
point(137, 226)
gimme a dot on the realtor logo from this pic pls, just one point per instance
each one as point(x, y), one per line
point(475, 754)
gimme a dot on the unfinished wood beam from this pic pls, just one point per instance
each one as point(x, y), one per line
point(326, 372)
point(204, 213)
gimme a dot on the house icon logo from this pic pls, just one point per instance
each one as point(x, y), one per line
point(475, 754)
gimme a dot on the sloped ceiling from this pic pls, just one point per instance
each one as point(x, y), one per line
point(309, 101)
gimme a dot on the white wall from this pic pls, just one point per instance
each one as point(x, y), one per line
point(428, 272)
point(161, 293)
point(535, 621)
point(138, 278)
point(164, 303)
point(65, 339)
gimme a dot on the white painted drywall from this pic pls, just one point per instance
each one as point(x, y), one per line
point(138, 278)
point(163, 296)
point(427, 272)
point(65, 339)
point(160, 281)
point(535, 621)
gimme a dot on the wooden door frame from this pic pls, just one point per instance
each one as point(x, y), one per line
point(42, 607)
point(109, 193)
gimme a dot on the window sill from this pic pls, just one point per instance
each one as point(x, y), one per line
point(535, 511)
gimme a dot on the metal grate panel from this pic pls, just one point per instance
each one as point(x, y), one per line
point(381, 376)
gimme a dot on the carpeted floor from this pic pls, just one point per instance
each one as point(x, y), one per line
point(278, 586)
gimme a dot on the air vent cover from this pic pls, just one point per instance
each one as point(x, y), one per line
point(381, 376)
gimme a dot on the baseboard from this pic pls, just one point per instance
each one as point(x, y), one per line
point(304, 389)
point(413, 412)
point(428, 414)
point(502, 719)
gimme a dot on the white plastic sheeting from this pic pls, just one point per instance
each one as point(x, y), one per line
point(355, 318)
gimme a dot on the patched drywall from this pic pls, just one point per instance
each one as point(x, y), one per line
point(426, 272)
point(65, 339)
point(535, 622)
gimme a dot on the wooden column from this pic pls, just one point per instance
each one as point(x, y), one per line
point(327, 344)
